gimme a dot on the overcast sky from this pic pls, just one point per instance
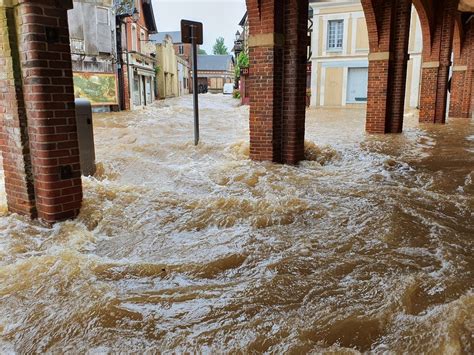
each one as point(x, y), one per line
point(220, 17)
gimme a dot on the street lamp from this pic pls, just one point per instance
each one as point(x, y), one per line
point(237, 36)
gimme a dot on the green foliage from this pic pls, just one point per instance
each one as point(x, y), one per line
point(236, 94)
point(220, 48)
point(242, 62)
point(202, 51)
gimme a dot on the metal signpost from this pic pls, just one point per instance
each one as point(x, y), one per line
point(191, 32)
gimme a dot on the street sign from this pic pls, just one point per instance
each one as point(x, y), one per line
point(191, 32)
point(186, 31)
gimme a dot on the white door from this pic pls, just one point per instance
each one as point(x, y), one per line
point(357, 79)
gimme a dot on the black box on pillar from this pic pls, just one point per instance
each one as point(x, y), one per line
point(85, 136)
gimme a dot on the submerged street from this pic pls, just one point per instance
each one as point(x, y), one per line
point(367, 245)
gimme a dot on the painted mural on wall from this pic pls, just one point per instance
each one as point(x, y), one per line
point(98, 88)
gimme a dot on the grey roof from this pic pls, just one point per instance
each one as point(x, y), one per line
point(214, 62)
point(244, 19)
point(160, 36)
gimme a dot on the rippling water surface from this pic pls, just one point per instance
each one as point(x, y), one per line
point(368, 245)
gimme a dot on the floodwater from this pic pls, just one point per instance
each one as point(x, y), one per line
point(367, 246)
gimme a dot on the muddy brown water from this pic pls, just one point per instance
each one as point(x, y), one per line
point(368, 246)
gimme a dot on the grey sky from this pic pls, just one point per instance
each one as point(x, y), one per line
point(220, 17)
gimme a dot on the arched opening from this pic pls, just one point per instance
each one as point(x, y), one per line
point(340, 75)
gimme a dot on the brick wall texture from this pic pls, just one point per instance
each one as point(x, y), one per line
point(435, 76)
point(462, 82)
point(39, 137)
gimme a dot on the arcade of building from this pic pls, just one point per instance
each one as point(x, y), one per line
point(38, 136)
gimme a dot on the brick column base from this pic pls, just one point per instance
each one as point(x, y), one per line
point(458, 83)
point(429, 94)
point(377, 95)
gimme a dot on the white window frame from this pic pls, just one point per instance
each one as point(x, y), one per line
point(326, 19)
point(338, 35)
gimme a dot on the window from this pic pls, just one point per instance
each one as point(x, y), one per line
point(134, 38)
point(180, 49)
point(335, 34)
point(104, 36)
point(142, 40)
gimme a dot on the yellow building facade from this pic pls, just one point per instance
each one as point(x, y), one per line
point(167, 72)
point(339, 56)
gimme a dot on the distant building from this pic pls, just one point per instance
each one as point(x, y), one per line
point(241, 42)
point(241, 46)
point(184, 50)
point(94, 53)
point(183, 76)
point(214, 71)
point(167, 70)
point(135, 23)
point(339, 59)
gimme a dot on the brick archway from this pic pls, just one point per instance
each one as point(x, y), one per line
point(424, 11)
point(388, 24)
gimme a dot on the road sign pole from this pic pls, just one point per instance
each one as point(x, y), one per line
point(195, 86)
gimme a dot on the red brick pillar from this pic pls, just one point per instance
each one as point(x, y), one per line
point(389, 29)
point(47, 95)
point(463, 75)
point(276, 81)
point(14, 142)
point(294, 81)
point(437, 62)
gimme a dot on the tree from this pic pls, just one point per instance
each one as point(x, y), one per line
point(220, 48)
point(202, 51)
